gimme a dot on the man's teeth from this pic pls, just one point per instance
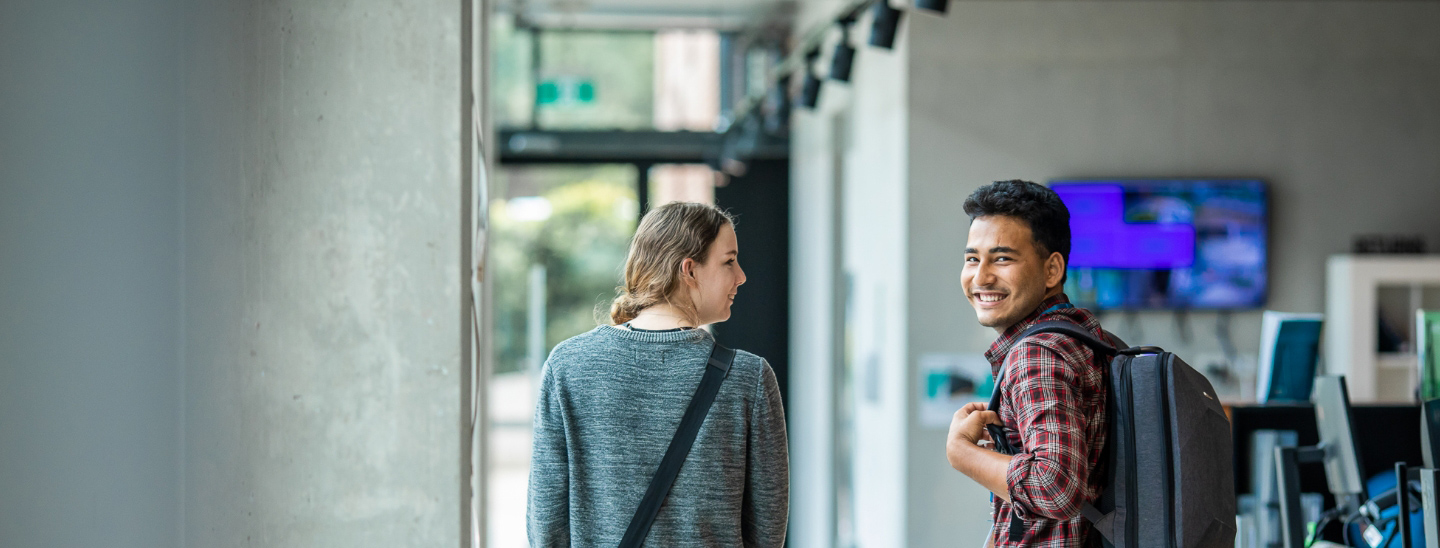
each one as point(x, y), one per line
point(990, 298)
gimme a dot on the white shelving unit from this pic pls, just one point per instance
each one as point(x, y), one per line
point(1356, 286)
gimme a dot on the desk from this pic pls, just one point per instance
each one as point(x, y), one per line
point(1384, 435)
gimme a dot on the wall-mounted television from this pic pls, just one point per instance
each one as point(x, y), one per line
point(1166, 243)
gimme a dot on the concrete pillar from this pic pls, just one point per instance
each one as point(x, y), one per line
point(323, 288)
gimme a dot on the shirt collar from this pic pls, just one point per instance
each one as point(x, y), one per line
point(997, 351)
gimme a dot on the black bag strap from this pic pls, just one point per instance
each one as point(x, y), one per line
point(1002, 442)
point(1074, 331)
point(1070, 329)
point(717, 368)
point(1104, 523)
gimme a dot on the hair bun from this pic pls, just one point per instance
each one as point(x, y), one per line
point(667, 235)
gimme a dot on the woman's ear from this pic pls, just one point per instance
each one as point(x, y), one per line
point(687, 272)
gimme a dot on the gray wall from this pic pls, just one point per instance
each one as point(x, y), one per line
point(89, 272)
point(230, 273)
point(322, 281)
point(1337, 104)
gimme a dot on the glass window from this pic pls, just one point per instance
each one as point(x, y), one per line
point(681, 183)
point(559, 243)
point(687, 80)
point(598, 80)
point(512, 86)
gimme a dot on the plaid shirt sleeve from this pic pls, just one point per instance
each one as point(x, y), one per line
point(1048, 479)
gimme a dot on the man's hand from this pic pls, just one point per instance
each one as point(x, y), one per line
point(963, 450)
point(968, 424)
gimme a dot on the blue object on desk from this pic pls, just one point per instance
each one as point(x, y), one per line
point(1379, 483)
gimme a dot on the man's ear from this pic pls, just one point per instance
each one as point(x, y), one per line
point(1054, 270)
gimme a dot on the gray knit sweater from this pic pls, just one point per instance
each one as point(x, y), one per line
point(610, 401)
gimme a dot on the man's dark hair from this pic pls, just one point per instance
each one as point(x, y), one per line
point(1038, 206)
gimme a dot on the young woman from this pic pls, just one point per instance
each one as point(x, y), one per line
point(611, 399)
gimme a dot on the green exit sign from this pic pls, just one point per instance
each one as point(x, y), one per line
point(565, 91)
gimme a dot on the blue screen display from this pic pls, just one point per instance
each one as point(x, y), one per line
point(1157, 243)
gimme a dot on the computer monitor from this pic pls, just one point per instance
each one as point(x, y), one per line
point(1430, 506)
point(1430, 431)
point(1264, 482)
point(1343, 471)
point(1427, 346)
point(1289, 350)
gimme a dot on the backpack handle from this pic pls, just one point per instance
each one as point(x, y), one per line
point(1139, 350)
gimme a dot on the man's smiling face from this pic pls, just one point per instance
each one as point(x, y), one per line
point(1006, 274)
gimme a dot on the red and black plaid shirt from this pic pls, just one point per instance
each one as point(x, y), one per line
point(1052, 400)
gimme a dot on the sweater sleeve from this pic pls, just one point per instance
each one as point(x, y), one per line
point(548, 506)
point(766, 508)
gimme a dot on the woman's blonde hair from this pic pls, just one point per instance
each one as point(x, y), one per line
point(667, 236)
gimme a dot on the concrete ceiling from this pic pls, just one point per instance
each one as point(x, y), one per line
point(650, 14)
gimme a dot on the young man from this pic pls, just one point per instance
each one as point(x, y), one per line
point(1052, 390)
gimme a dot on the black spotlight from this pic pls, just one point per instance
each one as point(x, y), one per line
point(810, 90)
point(844, 57)
point(885, 20)
point(777, 116)
point(937, 6)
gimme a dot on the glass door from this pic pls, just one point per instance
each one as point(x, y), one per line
point(560, 237)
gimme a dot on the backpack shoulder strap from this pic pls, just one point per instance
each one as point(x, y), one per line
point(1074, 331)
point(1102, 522)
point(716, 369)
point(1070, 329)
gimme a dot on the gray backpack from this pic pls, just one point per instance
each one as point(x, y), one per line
point(1170, 477)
